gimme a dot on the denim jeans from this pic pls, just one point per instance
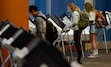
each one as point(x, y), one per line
point(93, 28)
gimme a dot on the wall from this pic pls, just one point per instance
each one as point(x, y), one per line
point(57, 7)
point(16, 11)
point(41, 4)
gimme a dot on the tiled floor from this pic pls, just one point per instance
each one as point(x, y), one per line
point(104, 60)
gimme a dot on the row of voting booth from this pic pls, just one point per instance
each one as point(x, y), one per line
point(26, 50)
point(63, 25)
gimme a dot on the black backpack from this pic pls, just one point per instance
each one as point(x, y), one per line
point(51, 31)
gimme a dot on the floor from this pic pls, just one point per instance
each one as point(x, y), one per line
point(104, 60)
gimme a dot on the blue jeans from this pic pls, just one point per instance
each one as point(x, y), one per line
point(93, 28)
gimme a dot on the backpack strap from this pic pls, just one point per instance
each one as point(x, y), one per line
point(36, 23)
point(43, 18)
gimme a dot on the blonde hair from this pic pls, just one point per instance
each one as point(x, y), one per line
point(89, 7)
point(73, 7)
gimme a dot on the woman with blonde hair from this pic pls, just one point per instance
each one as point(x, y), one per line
point(74, 10)
point(93, 30)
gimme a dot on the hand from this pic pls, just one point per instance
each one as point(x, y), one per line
point(103, 25)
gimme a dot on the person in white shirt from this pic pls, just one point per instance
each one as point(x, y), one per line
point(74, 10)
point(93, 29)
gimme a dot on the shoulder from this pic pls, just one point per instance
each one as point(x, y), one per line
point(75, 13)
point(40, 17)
point(41, 14)
point(92, 12)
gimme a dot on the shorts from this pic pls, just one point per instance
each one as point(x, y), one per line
point(93, 28)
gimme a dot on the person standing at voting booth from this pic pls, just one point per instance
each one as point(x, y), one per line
point(39, 22)
point(74, 10)
point(93, 30)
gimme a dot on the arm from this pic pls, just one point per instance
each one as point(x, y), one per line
point(75, 18)
point(39, 21)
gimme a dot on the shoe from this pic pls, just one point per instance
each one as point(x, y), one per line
point(97, 55)
point(90, 52)
point(92, 56)
point(78, 61)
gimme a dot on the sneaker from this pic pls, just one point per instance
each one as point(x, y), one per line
point(92, 56)
point(97, 55)
point(90, 52)
point(78, 61)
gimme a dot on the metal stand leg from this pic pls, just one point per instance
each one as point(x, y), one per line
point(3, 64)
point(60, 39)
point(1, 56)
point(82, 48)
point(105, 40)
point(70, 44)
point(82, 44)
point(8, 58)
point(63, 45)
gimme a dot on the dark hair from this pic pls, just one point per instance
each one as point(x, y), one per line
point(33, 7)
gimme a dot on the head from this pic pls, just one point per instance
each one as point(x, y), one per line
point(88, 7)
point(33, 9)
point(72, 7)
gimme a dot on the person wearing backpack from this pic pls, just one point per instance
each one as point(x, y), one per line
point(93, 30)
point(74, 10)
point(45, 29)
point(39, 22)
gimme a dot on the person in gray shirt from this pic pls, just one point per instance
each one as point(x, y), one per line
point(38, 20)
